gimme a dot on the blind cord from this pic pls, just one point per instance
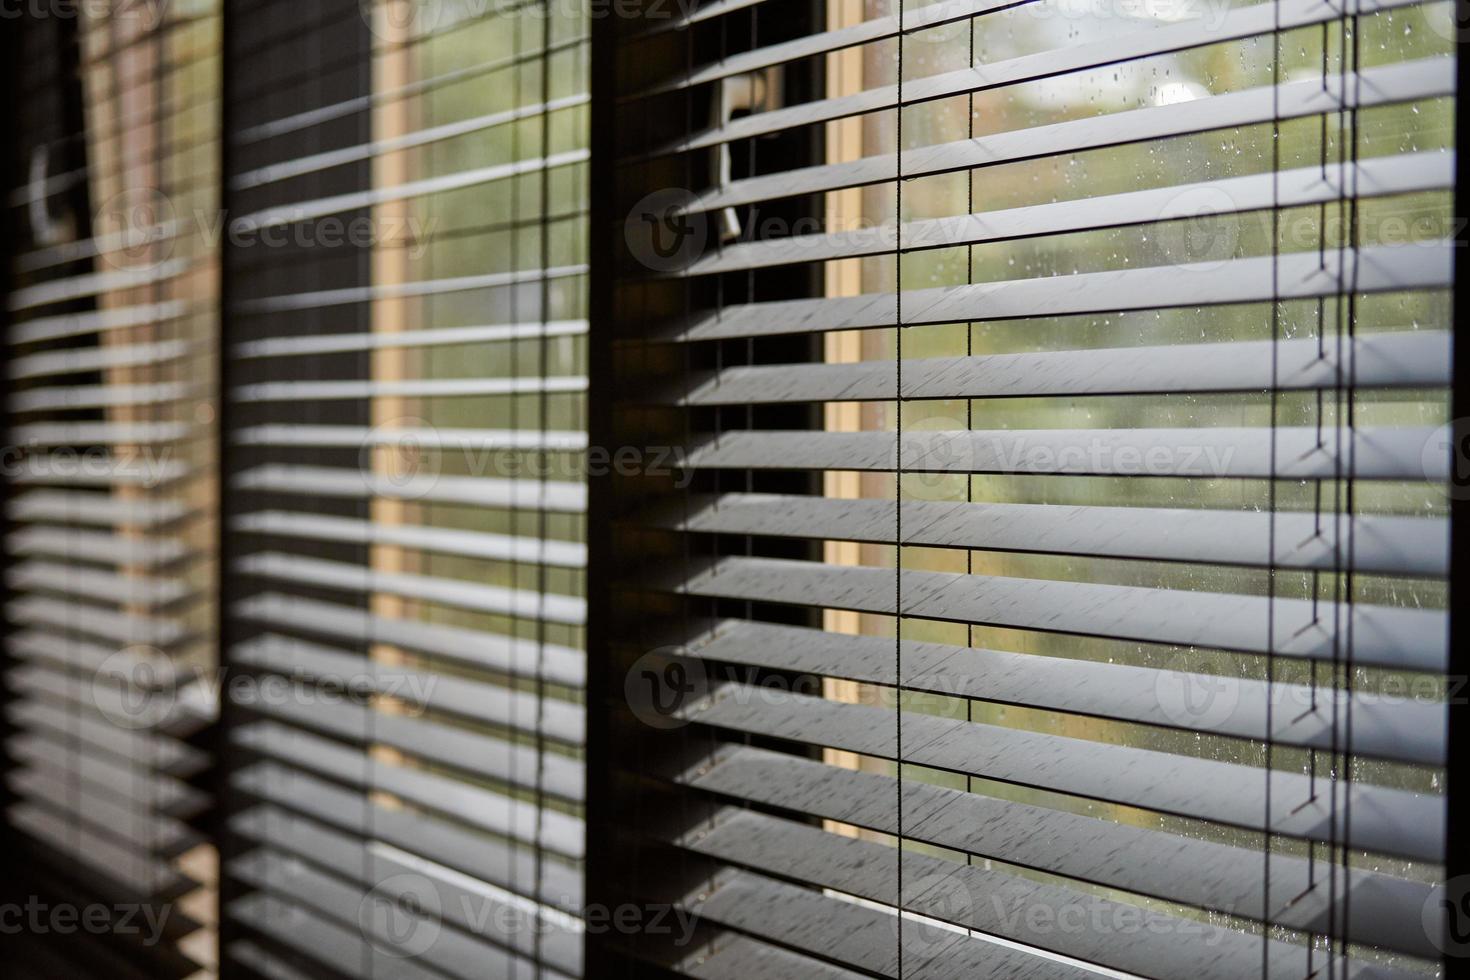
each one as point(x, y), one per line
point(898, 477)
point(1266, 912)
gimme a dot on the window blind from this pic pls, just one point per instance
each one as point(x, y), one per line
point(1055, 585)
point(405, 590)
point(109, 554)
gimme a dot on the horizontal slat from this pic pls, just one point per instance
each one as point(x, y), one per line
point(877, 29)
point(73, 617)
point(1409, 358)
point(1384, 85)
point(680, 16)
point(322, 207)
point(1188, 870)
point(505, 865)
point(481, 757)
point(441, 540)
point(310, 481)
point(350, 436)
point(97, 546)
point(96, 321)
point(864, 938)
point(1387, 821)
point(74, 397)
point(324, 940)
point(121, 820)
point(388, 922)
point(138, 873)
point(313, 117)
point(406, 339)
point(1153, 944)
point(522, 603)
point(165, 754)
point(1382, 545)
point(282, 391)
point(492, 812)
point(136, 666)
point(327, 298)
point(422, 137)
point(1284, 453)
point(463, 901)
point(489, 704)
point(509, 655)
point(96, 359)
point(267, 964)
point(393, 35)
point(1370, 178)
point(1384, 636)
point(742, 958)
point(405, 882)
point(127, 469)
point(149, 434)
point(92, 284)
point(53, 184)
point(74, 652)
point(131, 782)
point(1390, 727)
point(1229, 25)
point(120, 240)
point(96, 509)
point(124, 589)
point(1251, 280)
point(182, 715)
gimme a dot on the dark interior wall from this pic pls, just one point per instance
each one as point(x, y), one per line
point(282, 57)
point(43, 131)
point(634, 808)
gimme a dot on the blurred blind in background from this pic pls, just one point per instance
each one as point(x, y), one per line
point(110, 366)
point(406, 334)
